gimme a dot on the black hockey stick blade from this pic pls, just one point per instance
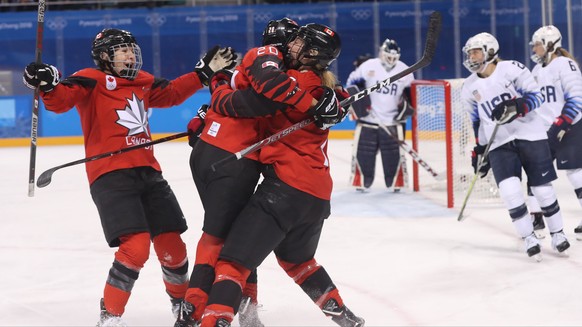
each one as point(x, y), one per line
point(432, 37)
point(45, 178)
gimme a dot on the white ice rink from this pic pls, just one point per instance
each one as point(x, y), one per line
point(398, 259)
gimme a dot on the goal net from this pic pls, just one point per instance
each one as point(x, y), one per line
point(442, 134)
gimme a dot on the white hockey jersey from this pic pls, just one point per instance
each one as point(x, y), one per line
point(561, 85)
point(385, 100)
point(511, 79)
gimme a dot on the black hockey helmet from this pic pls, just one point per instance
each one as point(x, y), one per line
point(109, 40)
point(278, 32)
point(322, 44)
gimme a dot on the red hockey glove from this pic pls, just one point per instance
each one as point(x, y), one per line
point(196, 125)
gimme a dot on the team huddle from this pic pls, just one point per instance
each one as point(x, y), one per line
point(529, 120)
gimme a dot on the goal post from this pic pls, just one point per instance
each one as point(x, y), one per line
point(442, 134)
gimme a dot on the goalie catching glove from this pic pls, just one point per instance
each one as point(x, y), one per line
point(196, 125)
point(45, 77)
point(214, 60)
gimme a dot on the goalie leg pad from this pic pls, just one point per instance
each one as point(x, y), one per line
point(366, 148)
point(390, 153)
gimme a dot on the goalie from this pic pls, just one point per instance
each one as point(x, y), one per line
point(390, 107)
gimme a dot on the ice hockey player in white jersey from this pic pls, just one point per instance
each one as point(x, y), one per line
point(390, 108)
point(500, 94)
point(560, 80)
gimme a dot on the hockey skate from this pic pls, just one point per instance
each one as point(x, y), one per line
point(538, 224)
point(184, 318)
point(560, 242)
point(532, 247)
point(341, 315)
point(248, 315)
point(175, 306)
point(107, 319)
point(578, 231)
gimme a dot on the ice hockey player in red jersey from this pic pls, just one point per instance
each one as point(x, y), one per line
point(296, 171)
point(135, 203)
point(224, 193)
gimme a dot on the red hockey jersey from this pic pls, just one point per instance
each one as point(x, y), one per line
point(114, 113)
point(300, 159)
point(260, 69)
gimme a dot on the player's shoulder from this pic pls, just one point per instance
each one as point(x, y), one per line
point(89, 73)
point(562, 62)
point(305, 77)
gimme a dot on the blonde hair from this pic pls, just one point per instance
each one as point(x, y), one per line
point(328, 79)
point(564, 53)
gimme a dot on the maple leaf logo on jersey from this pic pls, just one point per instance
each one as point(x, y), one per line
point(134, 117)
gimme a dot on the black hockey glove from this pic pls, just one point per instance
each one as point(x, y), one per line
point(476, 156)
point(328, 111)
point(405, 108)
point(196, 125)
point(214, 60)
point(43, 76)
point(556, 132)
point(219, 78)
point(509, 110)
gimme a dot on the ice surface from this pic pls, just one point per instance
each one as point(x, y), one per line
point(398, 259)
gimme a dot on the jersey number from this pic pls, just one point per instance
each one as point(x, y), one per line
point(267, 50)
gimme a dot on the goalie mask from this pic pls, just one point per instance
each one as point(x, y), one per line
point(474, 61)
point(117, 52)
point(389, 53)
point(313, 45)
point(550, 38)
point(279, 31)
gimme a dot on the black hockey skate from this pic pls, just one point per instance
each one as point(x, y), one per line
point(175, 306)
point(185, 315)
point(248, 315)
point(107, 319)
point(221, 322)
point(559, 241)
point(538, 224)
point(341, 315)
point(578, 231)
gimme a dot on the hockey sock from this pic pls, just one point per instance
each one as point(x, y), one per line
point(226, 293)
point(203, 273)
point(171, 252)
point(131, 256)
point(546, 196)
point(575, 178)
point(251, 287)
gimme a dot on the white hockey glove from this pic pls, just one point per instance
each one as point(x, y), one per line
point(214, 60)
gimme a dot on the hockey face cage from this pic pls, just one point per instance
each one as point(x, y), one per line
point(550, 38)
point(489, 46)
point(114, 42)
point(131, 64)
point(390, 53)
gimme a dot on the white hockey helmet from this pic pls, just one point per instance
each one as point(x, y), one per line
point(550, 38)
point(389, 53)
point(488, 44)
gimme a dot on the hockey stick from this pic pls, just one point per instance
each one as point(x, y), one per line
point(415, 156)
point(36, 99)
point(45, 178)
point(476, 176)
point(434, 28)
